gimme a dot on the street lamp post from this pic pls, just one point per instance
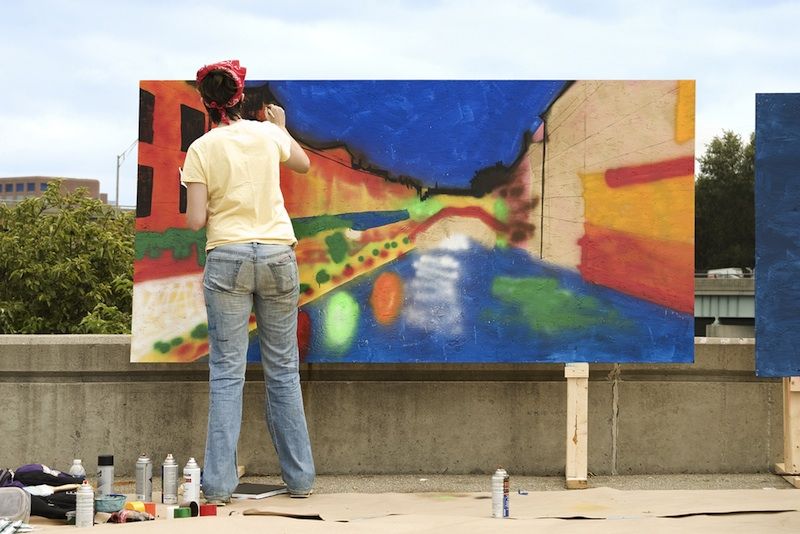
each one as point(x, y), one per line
point(120, 160)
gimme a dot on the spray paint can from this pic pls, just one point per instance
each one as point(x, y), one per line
point(191, 482)
point(105, 474)
point(500, 484)
point(144, 478)
point(169, 480)
point(84, 505)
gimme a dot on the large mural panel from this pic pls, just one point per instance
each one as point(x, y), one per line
point(449, 221)
point(777, 234)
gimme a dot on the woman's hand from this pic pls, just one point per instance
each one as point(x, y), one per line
point(276, 115)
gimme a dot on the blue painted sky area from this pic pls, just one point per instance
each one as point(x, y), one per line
point(438, 132)
point(472, 324)
point(777, 192)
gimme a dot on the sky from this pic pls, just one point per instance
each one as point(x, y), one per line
point(72, 68)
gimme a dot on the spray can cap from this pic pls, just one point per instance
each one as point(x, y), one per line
point(144, 457)
point(192, 462)
point(169, 459)
point(105, 459)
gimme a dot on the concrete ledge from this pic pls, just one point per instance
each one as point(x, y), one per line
point(78, 396)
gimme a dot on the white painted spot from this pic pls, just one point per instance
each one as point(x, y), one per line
point(433, 295)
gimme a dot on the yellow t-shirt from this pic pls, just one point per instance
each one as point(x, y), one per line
point(239, 163)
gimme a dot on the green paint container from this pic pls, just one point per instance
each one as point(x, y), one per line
point(182, 512)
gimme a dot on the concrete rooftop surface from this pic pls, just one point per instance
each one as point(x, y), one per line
point(693, 503)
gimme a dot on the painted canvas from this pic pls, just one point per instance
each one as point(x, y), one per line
point(777, 234)
point(449, 221)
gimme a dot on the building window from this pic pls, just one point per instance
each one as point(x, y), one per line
point(19, 188)
point(9, 188)
point(42, 186)
point(144, 191)
point(31, 186)
point(193, 125)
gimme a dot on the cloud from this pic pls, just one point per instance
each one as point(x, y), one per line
point(75, 103)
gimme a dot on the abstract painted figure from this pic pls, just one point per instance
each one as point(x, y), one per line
point(450, 221)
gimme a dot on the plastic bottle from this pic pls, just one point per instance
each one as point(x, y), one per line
point(84, 505)
point(77, 470)
point(105, 474)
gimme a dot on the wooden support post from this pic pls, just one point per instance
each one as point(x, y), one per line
point(577, 375)
point(790, 468)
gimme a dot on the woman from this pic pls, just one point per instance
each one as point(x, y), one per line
point(233, 189)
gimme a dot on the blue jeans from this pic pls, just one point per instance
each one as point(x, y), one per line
point(239, 278)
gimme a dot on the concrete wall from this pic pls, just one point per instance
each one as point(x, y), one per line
point(64, 397)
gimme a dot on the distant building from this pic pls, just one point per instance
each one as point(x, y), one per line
point(20, 187)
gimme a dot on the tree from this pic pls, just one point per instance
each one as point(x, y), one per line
point(724, 200)
point(66, 265)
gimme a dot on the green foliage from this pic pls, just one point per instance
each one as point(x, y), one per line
point(66, 265)
point(725, 209)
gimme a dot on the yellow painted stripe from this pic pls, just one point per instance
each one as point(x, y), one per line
point(662, 210)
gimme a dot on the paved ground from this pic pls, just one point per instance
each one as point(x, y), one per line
point(680, 504)
point(476, 483)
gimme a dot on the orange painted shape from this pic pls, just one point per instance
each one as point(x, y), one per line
point(387, 298)
point(164, 266)
point(333, 185)
point(655, 270)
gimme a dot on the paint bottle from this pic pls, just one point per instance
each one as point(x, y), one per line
point(169, 480)
point(191, 482)
point(77, 470)
point(144, 478)
point(105, 474)
point(84, 505)
point(500, 487)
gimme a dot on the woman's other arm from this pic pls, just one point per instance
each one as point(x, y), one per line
point(196, 205)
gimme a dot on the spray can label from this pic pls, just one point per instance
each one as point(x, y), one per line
point(506, 487)
point(144, 478)
point(191, 484)
point(500, 492)
point(169, 480)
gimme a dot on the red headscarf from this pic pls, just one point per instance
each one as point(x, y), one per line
point(232, 68)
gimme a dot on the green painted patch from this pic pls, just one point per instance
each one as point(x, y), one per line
point(549, 309)
point(419, 210)
point(200, 331)
point(501, 210)
point(337, 247)
point(312, 226)
point(341, 322)
point(322, 276)
point(180, 241)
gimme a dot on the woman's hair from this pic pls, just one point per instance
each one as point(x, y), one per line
point(218, 87)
